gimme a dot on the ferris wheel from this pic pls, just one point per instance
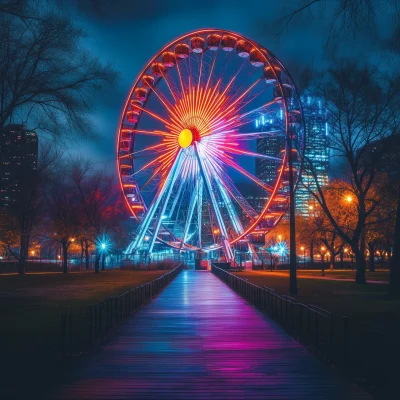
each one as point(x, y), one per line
point(203, 144)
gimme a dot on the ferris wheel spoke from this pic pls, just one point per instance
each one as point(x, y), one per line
point(207, 182)
point(166, 104)
point(147, 149)
point(168, 192)
point(252, 135)
point(249, 175)
point(158, 117)
point(251, 154)
point(163, 158)
point(192, 206)
point(169, 85)
point(151, 133)
point(211, 69)
point(200, 210)
point(237, 225)
point(143, 228)
point(238, 197)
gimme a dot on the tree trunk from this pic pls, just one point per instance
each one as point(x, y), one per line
point(97, 262)
point(394, 279)
point(371, 257)
point(82, 252)
point(23, 254)
point(332, 261)
point(360, 264)
point(103, 261)
point(312, 252)
point(87, 260)
point(65, 257)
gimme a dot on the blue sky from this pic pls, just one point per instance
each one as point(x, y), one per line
point(128, 33)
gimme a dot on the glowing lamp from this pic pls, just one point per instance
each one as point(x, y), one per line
point(185, 138)
point(103, 246)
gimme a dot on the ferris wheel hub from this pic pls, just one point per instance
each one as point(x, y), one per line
point(185, 138)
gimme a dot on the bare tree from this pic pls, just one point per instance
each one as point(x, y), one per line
point(46, 78)
point(24, 218)
point(62, 214)
point(363, 106)
point(100, 202)
point(348, 19)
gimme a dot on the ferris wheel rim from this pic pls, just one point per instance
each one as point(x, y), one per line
point(277, 184)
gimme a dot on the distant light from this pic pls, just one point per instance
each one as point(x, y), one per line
point(146, 238)
point(163, 217)
point(103, 246)
point(349, 199)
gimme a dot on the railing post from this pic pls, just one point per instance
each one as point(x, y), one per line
point(63, 335)
point(331, 337)
point(70, 334)
point(316, 331)
point(345, 335)
point(100, 336)
point(301, 320)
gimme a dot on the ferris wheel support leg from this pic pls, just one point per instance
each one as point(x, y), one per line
point(177, 196)
point(225, 243)
point(253, 252)
point(149, 217)
point(200, 209)
point(170, 184)
point(192, 205)
point(229, 206)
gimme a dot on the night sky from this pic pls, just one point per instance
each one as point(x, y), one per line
point(128, 33)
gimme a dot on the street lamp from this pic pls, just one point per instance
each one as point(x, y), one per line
point(323, 259)
point(303, 249)
point(280, 237)
point(349, 198)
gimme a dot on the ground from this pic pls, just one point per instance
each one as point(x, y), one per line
point(337, 292)
point(31, 306)
point(368, 349)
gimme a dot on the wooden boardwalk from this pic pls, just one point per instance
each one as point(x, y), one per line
point(200, 340)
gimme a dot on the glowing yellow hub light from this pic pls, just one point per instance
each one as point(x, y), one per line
point(185, 138)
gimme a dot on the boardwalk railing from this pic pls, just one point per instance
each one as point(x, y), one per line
point(366, 352)
point(79, 333)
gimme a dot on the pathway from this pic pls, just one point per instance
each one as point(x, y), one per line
point(200, 340)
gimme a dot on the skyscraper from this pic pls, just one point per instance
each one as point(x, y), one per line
point(18, 163)
point(316, 154)
point(317, 151)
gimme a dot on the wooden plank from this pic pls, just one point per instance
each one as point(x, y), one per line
point(200, 340)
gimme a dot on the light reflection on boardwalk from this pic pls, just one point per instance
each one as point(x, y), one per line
point(200, 340)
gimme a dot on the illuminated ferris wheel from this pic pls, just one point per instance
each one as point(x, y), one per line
point(203, 144)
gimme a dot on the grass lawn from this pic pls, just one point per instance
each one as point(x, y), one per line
point(360, 302)
point(30, 310)
point(372, 354)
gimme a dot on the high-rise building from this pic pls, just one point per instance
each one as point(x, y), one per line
point(18, 163)
point(316, 154)
point(317, 151)
point(271, 145)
